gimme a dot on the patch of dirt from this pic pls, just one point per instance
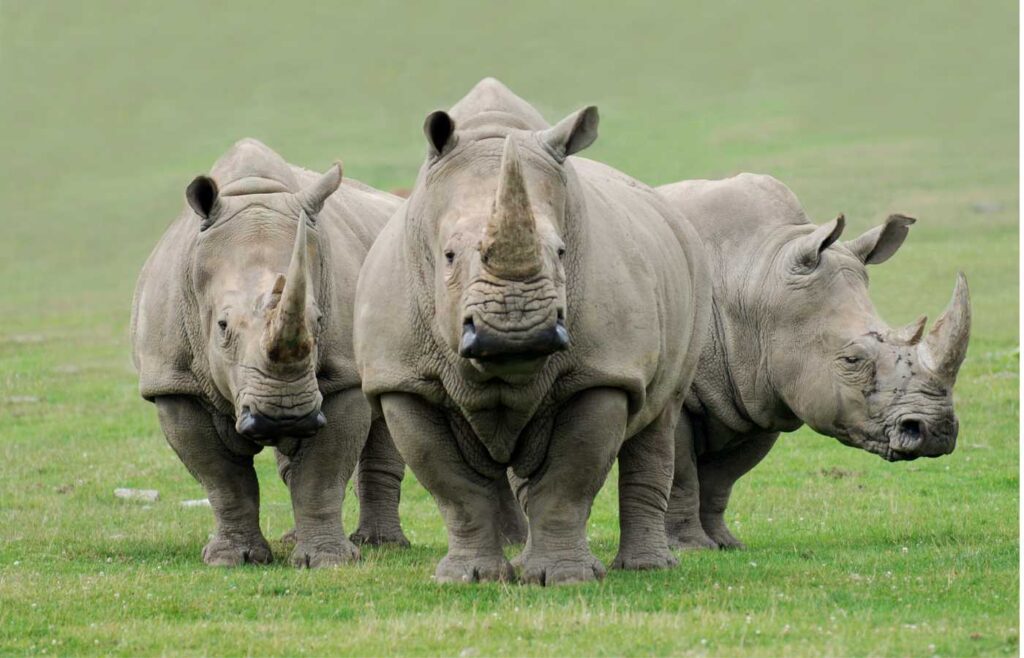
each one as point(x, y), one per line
point(837, 473)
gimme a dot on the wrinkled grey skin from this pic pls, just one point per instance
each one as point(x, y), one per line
point(794, 339)
point(242, 336)
point(531, 313)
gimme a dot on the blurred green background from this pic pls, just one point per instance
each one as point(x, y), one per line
point(108, 109)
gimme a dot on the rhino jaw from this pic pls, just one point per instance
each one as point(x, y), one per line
point(264, 429)
point(489, 346)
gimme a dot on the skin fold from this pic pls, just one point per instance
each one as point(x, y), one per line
point(793, 340)
point(242, 335)
point(531, 315)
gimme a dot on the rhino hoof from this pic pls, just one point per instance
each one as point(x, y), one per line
point(643, 560)
point(693, 542)
point(474, 570)
point(310, 555)
point(225, 552)
point(562, 570)
point(380, 537)
point(724, 539)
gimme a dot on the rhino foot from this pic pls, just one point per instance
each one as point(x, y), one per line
point(325, 553)
point(289, 537)
point(233, 552)
point(691, 541)
point(561, 569)
point(474, 570)
point(720, 534)
point(379, 537)
point(644, 559)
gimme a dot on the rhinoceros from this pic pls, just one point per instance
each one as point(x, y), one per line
point(532, 311)
point(796, 340)
point(242, 337)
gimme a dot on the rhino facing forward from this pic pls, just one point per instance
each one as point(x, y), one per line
point(242, 336)
point(795, 339)
point(531, 311)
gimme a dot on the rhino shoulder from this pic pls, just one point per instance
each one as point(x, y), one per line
point(161, 350)
point(388, 331)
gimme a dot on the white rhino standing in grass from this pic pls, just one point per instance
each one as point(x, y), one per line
point(795, 339)
point(242, 336)
point(534, 312)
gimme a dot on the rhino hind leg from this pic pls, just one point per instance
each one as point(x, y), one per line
point(379, 488)
point(718, 473)
point(468, 500)
point(682, 521)
point(645, 482)
point(582, 448)
point(228, 478)
point(317, 474)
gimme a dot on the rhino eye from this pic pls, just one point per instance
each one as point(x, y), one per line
point(223, 325)
point(561, 252)
point(851, 359)
point(449, 256)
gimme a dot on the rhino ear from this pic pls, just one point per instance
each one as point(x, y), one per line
point(312, 198)
point(880, 243)
point(573, 133)
point(202, 195)
point(807, 250)
point(440, 131)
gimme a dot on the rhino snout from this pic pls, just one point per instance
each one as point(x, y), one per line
point(916, 436)
point(484, 343)
point(258, 427)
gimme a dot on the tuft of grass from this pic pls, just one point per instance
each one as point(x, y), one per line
point(864, 108)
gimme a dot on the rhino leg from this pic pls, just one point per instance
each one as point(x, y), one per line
point(682, 521)
point(227, 476)
point(584, 441)
point(379, 487)
point(718, 472)
point(514, 526)
point(467, 499)
point(645, 481)
point(317, 475)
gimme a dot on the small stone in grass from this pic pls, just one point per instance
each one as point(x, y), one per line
point(145, 495)
point(201, 502)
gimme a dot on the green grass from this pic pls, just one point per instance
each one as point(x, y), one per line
point(108, 109)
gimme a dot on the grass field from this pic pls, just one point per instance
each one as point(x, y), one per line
point(107, 110)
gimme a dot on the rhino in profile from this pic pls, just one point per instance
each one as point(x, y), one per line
point(242, 336)
point(532, 312)
point(795, 340)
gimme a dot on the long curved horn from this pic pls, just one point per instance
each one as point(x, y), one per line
point(510, 248)
point(945, 346)
point(288, 337)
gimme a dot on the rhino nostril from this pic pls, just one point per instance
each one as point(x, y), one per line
point(911, 428)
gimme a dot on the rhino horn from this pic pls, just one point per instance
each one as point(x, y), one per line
point(312, 198)
point(289, 338)
point(945, 346)
point(510, 248)
point(911, 333)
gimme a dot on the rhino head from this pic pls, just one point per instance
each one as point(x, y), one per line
point(840, 368)
point(255, 280)
point(493, 211)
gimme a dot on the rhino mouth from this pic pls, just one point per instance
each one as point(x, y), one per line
point(487, 346)
point(268, 430)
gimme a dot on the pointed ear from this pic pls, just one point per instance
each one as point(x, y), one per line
point(440, 131)
point(573, 133)
point(880, 243)
point(202, 196)
point(312, 198)
point(807, 250)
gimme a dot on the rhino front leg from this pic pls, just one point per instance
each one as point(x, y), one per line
point(379, 487)
point(718, 473)
point(467, 499)
point(228, 478)
point(645, 481)
point(317, 475)
point(584, 441)
point(682, 521)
